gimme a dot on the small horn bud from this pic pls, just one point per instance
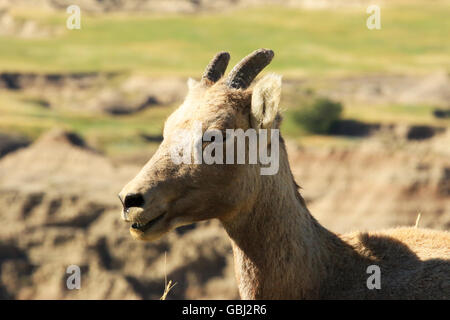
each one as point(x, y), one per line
point(246, 71)
point(216, 68)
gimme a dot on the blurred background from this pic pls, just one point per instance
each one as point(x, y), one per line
point(366, 119)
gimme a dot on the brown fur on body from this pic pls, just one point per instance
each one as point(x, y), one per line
point(280, 250)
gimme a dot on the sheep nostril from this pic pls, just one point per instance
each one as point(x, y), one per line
point(133, 200)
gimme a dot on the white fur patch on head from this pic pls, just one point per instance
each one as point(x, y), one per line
point(266, 102)
point(191, 83)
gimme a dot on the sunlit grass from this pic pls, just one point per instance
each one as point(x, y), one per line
point(117, 135)
point(111, 134)
point(322, 43)
point(412, 38)
point(395, 113)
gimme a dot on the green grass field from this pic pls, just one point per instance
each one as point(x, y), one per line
point(110, 134)
point(412, 38)
point(322, 43)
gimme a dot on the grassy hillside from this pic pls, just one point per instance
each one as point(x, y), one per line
point(412, 38)
point(112, 134)
point(322, 43)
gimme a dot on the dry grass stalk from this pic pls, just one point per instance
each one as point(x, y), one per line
point(167, 285)
point(417, 221)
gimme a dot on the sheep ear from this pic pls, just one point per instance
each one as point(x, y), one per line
point(266, 103)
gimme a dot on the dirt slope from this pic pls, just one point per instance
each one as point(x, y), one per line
point(181, 6)
point(383, 182)
point(60, 208)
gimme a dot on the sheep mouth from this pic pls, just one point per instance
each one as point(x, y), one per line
point(144, 227)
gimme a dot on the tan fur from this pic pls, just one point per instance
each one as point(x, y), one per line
point(280, 250)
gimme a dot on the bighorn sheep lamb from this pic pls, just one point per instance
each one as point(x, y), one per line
point(280, 250)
